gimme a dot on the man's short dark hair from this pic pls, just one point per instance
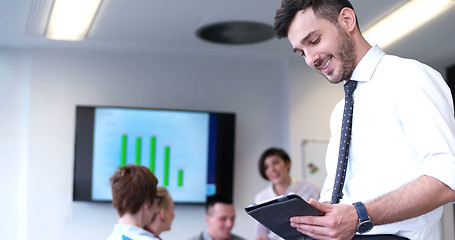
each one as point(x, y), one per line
point(327, 9)
point(216, 198)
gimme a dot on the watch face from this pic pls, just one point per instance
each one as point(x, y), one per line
point(365, 227)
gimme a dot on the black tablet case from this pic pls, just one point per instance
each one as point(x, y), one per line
point(275, 215)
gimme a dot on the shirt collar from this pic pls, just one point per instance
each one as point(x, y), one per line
point(146, 228)
point(206, 235)
point(367, 65)
point(132, 229)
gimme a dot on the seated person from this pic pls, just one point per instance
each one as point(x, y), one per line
point(163, 216)
point(274, 165)
point(220, 217)
point(133, 195)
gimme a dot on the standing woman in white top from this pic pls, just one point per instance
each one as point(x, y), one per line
point(274, 165)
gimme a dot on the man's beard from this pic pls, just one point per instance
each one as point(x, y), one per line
point(345, 56)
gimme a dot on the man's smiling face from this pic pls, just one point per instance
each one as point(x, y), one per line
point(326, 46)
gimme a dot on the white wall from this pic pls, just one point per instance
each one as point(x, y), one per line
point(14, 84)
point(255, 89)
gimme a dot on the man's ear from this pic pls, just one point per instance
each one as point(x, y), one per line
point(162, 214)
point(347, 19)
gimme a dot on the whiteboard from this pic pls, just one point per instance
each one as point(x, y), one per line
point(313, 160)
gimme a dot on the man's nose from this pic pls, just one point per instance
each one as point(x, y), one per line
point(230, 223)
point(311, 59)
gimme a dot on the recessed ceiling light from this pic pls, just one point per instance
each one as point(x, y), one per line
point(236, 32)
point(404, 20)
point(71, 19)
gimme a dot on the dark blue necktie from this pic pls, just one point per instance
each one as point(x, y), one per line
point(337, 193)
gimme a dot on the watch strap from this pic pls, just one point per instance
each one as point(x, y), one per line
point(361, 211)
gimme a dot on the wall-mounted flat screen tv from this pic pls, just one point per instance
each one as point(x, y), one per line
point(190, 152)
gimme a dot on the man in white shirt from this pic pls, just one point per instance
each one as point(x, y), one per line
point(220, 218)
point(401, 164)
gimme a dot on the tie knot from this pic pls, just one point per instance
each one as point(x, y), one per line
point(349, 87)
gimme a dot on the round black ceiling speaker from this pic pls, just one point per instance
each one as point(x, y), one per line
point(236, 32)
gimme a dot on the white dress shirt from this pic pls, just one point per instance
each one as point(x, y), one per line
point(403, 128)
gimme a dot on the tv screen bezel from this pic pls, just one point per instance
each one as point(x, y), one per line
point(83, 151)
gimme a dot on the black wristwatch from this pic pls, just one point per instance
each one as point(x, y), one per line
point(365, 225)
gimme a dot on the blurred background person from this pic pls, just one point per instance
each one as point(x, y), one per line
point(164, 214)
point(133, 195)
point(220, 218)
point(274, 165)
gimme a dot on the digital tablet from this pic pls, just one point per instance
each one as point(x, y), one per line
point(275, 213)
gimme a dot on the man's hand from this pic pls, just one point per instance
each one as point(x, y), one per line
point(338, 223)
